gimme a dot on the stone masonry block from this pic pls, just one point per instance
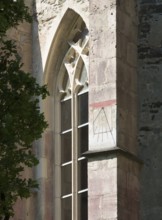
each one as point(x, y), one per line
point(102, 177)
point(103, 46)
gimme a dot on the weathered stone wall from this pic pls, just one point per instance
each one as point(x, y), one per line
point(128, 183)
point(102, 184)
point(102, 168)
point(127, 75)
point(112, 168)
point(150, 107)
point(127, 117)
point(102, 88)
point(113, 174)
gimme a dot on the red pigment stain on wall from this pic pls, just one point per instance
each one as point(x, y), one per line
point(103, 104)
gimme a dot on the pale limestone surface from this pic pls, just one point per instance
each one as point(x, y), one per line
point(102, 97)
point(113, 58)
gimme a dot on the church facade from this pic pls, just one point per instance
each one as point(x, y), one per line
point(101, 156)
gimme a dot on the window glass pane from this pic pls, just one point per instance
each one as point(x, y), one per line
point(83, 206)
point(66, 147)
point(82, 174)
point(65, 115)
point(82, 108)
point(66, 179)
point(82, 140)
point(66, 212)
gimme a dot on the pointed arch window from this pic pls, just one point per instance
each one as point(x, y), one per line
point(73, 139)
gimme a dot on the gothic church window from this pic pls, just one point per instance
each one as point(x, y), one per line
point(73, 139)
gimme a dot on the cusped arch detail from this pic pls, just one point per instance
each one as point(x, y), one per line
point(67, 30)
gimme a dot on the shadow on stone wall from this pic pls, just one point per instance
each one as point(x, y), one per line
point(150, 107)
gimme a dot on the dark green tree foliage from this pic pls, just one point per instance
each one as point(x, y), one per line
point(21, 121)
point(12, 12)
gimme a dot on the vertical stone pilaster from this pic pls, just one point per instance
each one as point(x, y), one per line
point(114, 186)
point(102, 168)
point(113, 167)
point(102, 184)
point(128, 172)
point(127, 75)
point(129, 166)
point(102, 86)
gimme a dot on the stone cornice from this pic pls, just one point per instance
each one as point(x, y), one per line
point(111, 151)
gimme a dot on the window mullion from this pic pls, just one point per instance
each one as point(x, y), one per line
point(74, 159)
